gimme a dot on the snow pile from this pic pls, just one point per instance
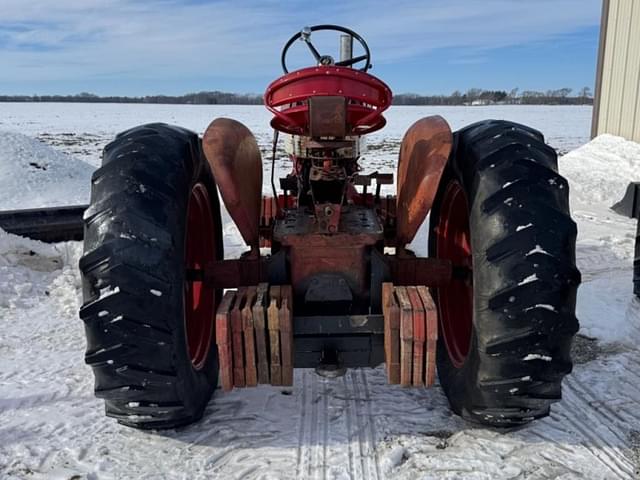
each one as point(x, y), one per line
point(29, 268)
point(598, 175)
point(34, 175)
point(600, 171)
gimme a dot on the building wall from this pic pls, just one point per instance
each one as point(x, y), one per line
point(617, 95)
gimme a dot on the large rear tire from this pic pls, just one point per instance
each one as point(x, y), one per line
point(501, 215)
point(150, 337)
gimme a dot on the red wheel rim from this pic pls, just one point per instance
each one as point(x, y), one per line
point(199, 300)
point(455, 301)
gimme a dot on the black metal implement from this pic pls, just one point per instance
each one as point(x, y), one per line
point(55, 224)
point(629, 206)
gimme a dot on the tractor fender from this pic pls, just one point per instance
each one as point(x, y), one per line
point(424, 153)
point(234, 157)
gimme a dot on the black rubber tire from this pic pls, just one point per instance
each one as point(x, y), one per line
point(521, 331)
point(134, 248)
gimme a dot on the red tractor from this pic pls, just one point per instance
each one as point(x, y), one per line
point(493, 305)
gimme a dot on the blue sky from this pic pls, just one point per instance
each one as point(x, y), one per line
point(138, 47)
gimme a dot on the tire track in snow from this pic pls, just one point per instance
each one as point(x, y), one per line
point(602, 406)
point(637, 366)
point(372, 426)
point(591, 275)
point(630, 385)
point(325, 428)
point(632, 316)
point(366, 436)
point(598, 436)
point(567, 449)
point(634, 360)
point(597, 447)
point(583, 416)
point(34, 400)
point(359, 428)
point(355, 467)
point(312, 435)
point(302, 450)
point(606, 414)
point(317, 464)
point(593, 264)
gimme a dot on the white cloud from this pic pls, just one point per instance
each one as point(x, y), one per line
point(412, 29)
point(71, 39)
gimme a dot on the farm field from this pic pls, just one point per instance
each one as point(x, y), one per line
point(357, 426)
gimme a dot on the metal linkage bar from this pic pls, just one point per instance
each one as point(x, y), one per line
point(246, 271)
point(432, 272)
point(233, 273)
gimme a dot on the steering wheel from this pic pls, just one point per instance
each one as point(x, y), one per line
point(305, 36)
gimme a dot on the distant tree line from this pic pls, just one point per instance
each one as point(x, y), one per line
point(478, 96)
point(473, 96)
point(200, 98)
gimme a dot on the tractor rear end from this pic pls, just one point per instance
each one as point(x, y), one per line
point(493, 305)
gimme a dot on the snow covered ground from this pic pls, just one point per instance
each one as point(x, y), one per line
point(51, 426)
point(83, 129)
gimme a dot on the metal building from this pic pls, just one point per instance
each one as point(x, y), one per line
point(617, 94)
